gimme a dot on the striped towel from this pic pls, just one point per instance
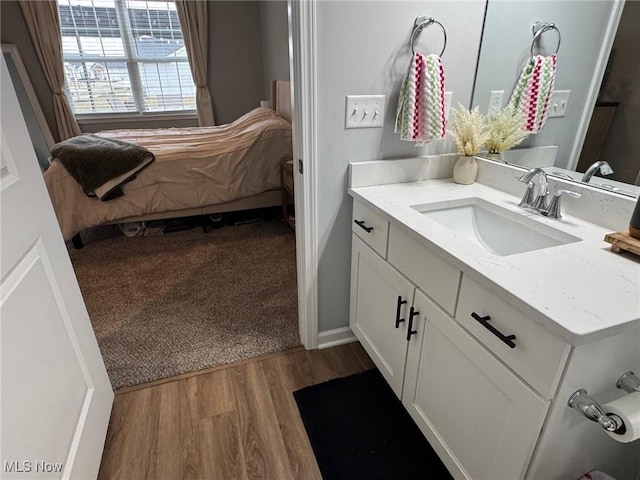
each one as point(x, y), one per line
point(532, 93)
point(420, 115)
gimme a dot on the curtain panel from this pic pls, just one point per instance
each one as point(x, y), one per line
point(41, 17)
point(194, 23)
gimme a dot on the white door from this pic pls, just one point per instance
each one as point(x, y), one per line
point(55, 393)
point(379, 297)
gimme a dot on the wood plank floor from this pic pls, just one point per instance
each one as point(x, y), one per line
point(237, 422)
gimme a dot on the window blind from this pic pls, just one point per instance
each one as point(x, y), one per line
point(124, 56)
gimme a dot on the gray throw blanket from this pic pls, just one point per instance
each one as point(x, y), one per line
point(101, 165)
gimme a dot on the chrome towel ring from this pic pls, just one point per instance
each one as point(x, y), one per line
point(420, 24)
point(539, 28)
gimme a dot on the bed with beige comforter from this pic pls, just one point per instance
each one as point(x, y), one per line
point(194, 167)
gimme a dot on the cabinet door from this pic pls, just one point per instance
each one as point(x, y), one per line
point(375, 289)
point(479, 417)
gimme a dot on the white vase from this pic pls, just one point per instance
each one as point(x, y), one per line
point(465, 170)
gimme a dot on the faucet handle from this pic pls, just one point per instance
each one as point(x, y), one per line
point(528, 197)
point(554, 210)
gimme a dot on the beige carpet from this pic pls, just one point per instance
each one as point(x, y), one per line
point(180, 302)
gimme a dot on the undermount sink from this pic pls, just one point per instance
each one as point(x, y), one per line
point(496, 229)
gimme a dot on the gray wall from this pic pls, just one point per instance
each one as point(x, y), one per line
point(275, 43)
point(236, 71)
point(506, 47)
point(363, 48)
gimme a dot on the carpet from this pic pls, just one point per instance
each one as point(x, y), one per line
point(359, 430)
point(184, 301)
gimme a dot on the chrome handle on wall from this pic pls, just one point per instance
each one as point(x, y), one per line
point(629, 382)
point(588, 407)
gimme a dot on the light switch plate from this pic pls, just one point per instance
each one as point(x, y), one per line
point(364, 111)
point(495, 100)
point(559, 102)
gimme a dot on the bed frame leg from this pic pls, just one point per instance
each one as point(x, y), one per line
point(77, 241)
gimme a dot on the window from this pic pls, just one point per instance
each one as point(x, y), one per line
point(124, 56)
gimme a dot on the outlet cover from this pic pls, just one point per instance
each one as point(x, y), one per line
point(559, 103)
point(364, 111)
point(495, 100)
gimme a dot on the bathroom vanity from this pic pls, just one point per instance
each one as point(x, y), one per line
point(484, 319)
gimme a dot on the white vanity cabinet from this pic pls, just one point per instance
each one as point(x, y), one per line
point(482, 416)
point(502, 341)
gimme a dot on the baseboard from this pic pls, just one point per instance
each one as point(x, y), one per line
point(335, 337)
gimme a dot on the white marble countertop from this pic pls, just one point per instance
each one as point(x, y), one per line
point(580, 291)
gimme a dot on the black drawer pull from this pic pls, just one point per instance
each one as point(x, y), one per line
point(361, 224)
point(411, 331)
point(398, 307)
point(508, 339)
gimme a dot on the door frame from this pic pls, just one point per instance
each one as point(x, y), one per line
point(303, 68)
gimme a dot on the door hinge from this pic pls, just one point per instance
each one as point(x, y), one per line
point(300, 165)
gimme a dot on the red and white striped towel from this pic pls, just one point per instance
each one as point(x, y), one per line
point(420, 116)
point(532, 93)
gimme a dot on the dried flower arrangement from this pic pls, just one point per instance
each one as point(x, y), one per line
point(505, 129)
point(469, 129)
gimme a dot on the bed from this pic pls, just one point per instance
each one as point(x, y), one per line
point(197, 171)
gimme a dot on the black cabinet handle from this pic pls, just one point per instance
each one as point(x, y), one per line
point(398, 307)
point(411, 331)
point(361, 224)
point(484, 321)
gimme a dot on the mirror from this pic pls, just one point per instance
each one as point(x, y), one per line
point(603, 109)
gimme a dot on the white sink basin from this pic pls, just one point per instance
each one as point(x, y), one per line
point(494, 228)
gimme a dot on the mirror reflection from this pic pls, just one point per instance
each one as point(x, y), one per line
point(591, 132)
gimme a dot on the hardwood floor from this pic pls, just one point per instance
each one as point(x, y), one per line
point(236, 422)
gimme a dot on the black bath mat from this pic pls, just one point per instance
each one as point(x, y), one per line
point(359, 430)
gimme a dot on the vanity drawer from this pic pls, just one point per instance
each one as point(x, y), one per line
point(538, 356)
point(433, 275)
point(370, 227)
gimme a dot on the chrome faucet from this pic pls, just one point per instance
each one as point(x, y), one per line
point(604, 167)
point(538, 202)
point(530, 199)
